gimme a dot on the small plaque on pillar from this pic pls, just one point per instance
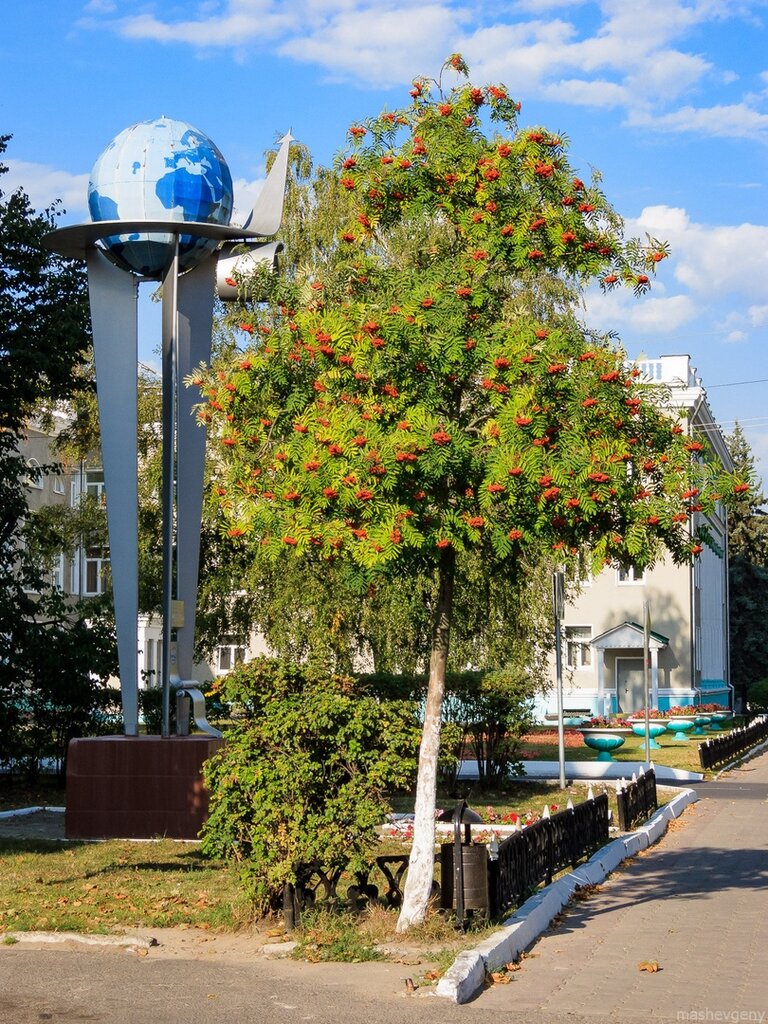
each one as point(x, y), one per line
point(177, 614)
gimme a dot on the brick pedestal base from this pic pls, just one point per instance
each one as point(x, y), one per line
point(137, 787)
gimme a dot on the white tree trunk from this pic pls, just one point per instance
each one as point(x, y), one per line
point(418, 883)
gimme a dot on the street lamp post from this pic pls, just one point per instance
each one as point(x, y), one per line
point(558, 604)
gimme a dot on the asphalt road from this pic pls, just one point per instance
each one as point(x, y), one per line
point(115, 987)
point(118, 987)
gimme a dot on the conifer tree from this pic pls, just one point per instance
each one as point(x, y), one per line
point(747, 575)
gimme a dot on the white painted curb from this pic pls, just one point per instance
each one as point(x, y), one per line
point(467, 973)
point(129, 941)
point(20, 811)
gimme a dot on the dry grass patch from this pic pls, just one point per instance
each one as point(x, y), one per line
point(109, 886)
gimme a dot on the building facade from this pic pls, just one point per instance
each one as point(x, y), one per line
point(84, 571)
point(603, 626)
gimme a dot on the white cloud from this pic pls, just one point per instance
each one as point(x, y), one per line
point(44, 184)
point(245, 22)
point(246, 193)
point(758, 315)
point(639, 56)
point(712, 262)
point(587, 94)
point(733, 121)
point(735, 337)
point(542, 6)
point(666, 73)
point(727, 260)
point(650, 315)
point(379, 46)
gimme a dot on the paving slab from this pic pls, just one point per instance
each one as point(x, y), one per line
point(696, 905)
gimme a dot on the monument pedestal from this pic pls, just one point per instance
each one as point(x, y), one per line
point(137, 787)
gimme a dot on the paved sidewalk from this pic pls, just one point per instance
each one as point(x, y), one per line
point(697, 905)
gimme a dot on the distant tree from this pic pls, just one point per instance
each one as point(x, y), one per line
point(43, 343)
point(402, 406)
point(747, 575)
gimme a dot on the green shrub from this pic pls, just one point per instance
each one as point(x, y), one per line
point(757, 696)
point(151, 709)
point(483, 712)
point(303, 773)
point(54, 688)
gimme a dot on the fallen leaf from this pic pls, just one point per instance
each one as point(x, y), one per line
point(512, 966)
point(273, 933)
point(652, 966)
point(432, 975)
point(583, 892)
point(500, 978)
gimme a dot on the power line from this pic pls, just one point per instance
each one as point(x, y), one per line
point(738, 383)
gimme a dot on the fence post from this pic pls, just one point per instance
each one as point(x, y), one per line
point(291, 912)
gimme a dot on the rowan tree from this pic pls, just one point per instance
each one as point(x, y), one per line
point(406, 405)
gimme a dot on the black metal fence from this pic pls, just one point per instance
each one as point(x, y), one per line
point(722, 749)
point(637, 800)
point(314, 879)
point(534, 855)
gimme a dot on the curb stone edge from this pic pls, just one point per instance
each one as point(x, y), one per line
point(466, 976)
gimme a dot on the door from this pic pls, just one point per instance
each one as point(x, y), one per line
point(630, 685)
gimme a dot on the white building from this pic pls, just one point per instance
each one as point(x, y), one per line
point(603, 637)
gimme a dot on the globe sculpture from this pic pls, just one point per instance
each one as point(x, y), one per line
point(160, 170)
point(160, 197)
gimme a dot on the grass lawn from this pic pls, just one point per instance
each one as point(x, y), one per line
point(114, 885)
point(104, 887)
point(49, 885)
point(521, 798)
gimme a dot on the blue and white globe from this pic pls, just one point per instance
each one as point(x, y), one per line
point(160, 170)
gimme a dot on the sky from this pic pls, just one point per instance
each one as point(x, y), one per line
point(668, 99)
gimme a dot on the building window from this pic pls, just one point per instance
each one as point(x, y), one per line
point(228, 655)
point(95, 564)
point(627, 575)
point(578, 647)
point(35, 477)
point(58, 483)
point(94, 484)
point(57, 571)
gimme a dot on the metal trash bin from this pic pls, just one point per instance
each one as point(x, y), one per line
point(463, 866)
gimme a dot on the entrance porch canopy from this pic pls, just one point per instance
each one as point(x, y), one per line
point(628, 636)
